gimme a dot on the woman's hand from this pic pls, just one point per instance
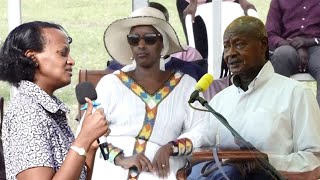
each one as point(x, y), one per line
point(161, 160)
point(138, 160)
point(94, 125)
point(94, 146)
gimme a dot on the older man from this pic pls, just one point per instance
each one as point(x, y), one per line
point(274, 113)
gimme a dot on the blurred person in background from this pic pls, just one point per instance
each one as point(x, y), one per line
point(294, 38)
point(185, 7)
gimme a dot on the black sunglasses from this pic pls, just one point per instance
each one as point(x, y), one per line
point(149, 38)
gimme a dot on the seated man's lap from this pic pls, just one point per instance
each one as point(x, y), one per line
point(231, 171)
point(196, 174)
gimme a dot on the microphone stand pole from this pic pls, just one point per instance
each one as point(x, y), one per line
point(235, 134)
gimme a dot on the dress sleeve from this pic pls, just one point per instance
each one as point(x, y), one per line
point(104, 94)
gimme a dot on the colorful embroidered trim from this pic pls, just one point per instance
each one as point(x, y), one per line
point(184, 146)
point(152, 102)
point(113, 152)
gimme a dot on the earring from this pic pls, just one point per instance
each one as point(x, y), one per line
point(162, 64)
point(36, 64)
point(131, 58)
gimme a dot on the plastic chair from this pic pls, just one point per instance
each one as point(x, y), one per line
point(229, 12)
point(302, 77)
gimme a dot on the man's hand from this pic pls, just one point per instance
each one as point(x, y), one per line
point(245, 5)
point(138, 160)
point(304, 58)
point(301, 42)
point(161, 160)
point(283, 42)
point(191, 9)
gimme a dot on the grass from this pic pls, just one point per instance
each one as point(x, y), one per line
point(85, 21)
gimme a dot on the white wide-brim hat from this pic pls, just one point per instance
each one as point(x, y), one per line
point(115, 36)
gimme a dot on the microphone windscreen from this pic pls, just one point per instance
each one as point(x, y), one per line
point(85, 89)
point(204, 83)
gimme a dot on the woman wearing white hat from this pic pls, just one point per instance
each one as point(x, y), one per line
point(152, 125)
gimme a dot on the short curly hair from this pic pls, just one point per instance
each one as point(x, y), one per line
point(14, 65)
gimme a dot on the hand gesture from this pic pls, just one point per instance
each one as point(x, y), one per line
point(138, 160)
point(94, 124)
point(161, 161)
point(245, 5)
point(304, 58)
point(191, 9)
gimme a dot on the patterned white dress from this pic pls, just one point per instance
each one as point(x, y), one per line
point(129, 108)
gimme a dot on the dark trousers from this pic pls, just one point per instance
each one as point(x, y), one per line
point(285, 61)
point(232, 172)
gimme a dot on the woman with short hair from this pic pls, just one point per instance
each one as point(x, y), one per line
point(38, 142)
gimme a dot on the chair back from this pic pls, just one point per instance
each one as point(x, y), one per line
point(2, 165)
point(302, 77)
point(229, 12)
point(92, 76)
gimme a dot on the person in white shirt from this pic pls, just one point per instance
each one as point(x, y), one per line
point(274, 113)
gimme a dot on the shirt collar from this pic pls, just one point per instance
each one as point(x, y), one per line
point(264, 75)
point(50, 103)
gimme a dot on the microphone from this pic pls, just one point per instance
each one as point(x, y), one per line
point(202, 85)
point(86, 89)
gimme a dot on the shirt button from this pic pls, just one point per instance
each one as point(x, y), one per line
point(302, 26)
point(303, 19)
